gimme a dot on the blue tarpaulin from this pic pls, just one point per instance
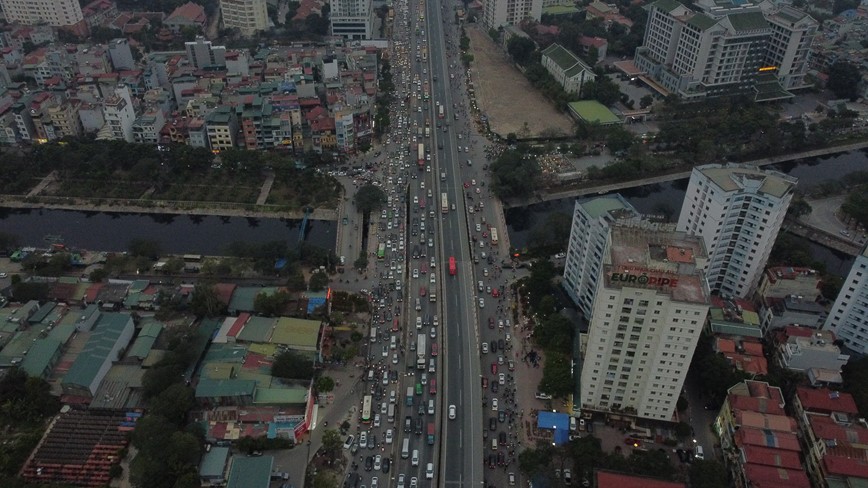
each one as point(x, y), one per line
point(559, 422)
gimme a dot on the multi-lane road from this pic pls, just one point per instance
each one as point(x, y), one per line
point(421, 234)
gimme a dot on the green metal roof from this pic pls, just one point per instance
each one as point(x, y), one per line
point(563, 57)
point(257, 329)
point(42, 313)
point(280, 396)
point(702, 22)
point(748, 21)
point(600, 206)
point(213, 463)
point(244, 296)
point(208, 388)
point(108, 330)
point(666, 5)
point(250, 472)
point(296, 333)
point(594, 112)
point(145, 341)
point(40, 357)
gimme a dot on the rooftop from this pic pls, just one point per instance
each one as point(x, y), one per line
point(297, 333)
point(108, 330)
point(250, 472)
point(823, 400)
point(594, 112)
point(735, 177)
point(639, 257)
point(608, 479)
point(563, 57)
point(613, 206)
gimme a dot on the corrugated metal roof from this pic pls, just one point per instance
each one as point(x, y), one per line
point(108, 330)
point(250, 472)
point(39, 357)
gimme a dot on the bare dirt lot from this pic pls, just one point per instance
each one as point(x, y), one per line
point(506, 97)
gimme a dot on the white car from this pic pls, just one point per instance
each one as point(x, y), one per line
point(481, 303)
point(501, 379)
point(401, 481)
point(480, 286)
point(478, 227)
point(494, 404)
point(452, 412)
point(378, 464)
point(363, 438)
point(389, 436)
point(429, 471)
point(415, 273)
point(484, 348)
point(395, 358)
point(376, 420)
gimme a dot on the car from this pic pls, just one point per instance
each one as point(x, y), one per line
point(372, 441)
point(369, 463)
point(495, 292)
point(501, 438)
point(423, 291)
point(433, 333)
point(376, 423)
point(466, 184)
point(414, 482)
point(478, 227)
point(481, 303)
point(493, 368)
point(484, 348)
point(363, 438)
point(480, 286)
point(511, 364)
point(3, 275)
point(492, 461)
point(568, 477)
point(493, 346)
point(408, 424)
point(401, 481)
point(389, 436)
point(501, 379)
point(500, 344)
point(395, 358)
point(375, 482)
point(415, 272)
point(387, 463)
point(484, 382)
point(490, 322)
point(452, 412)
point(500, 360)
point(378, 462)
point(494, 404)
point(494, 387)
point(501, 416)
point(429, 471)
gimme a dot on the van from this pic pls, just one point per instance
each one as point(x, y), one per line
point(418, 306)
point(494, 443)
point(699, 453)
point(405, 448)
point(391, 413)
point(371, 374)
point(415, 460)
point(430, 407)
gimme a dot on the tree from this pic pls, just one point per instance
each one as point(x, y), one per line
point(324, 384)
point(318, 24)
point(798, 208)
point(318, 281)
point(148, 248)
point(557, 380)
point(533, 461)
point(646, 101)
point(292, 365)
point(331, 442)
point(204, 301)
point(152, 433)
point(370, 198)
point(514, 175)
point(292, 9)
point(26, 291)
point(602, 89)
point(520, 48)
point(98, 275)
point(844, 78)
point(620, 139)
point(295, 280)
point(8, 241)
point(173, 403)
point(708, 474)
point(270, 304)
point(855, 374)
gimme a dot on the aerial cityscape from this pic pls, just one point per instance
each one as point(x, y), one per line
point(419, 243)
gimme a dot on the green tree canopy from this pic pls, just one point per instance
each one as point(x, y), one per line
point(148, 248)
point(292, 365)
point(708, 474)
point(325, 384)
point(514, 175)
point(271, 304)
point(204, 301)
point(557, 380)
point(844, 78)
point(370, 198)
point(520, 48)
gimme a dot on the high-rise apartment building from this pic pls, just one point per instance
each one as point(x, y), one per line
point(498, 13)
point(202, 54)
point(248, 16)
point(726, 47)
point(352, 19)
point(849, 316)
point(56, 13)
point(648, 311)
point(588, 239)
point(119, 114)
point(737, 210)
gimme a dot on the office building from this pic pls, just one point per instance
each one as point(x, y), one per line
point(588, 239)
point(650, 306)
point(849, 316)
point(726, 47)
point(352, 19)
point(500, 13)
point(203, 55)
point(248, 16)
point(737, 210)
point(56, 13)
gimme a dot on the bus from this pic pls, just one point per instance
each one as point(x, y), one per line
point(440, 112)
point(444, 203)
point(493, 236)
point(453, 268)
point(420, 156)
point(381, 250)
point(366, 409)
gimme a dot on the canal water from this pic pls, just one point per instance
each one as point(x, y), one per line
point(177, 234)
point(666, 198)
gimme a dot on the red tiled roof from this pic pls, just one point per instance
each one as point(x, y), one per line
point(824, 400)
point(749, 363)
point(189, 11)
point(770, 477)
point(725, 345)
point(238, 325)
point(757, 437)
point(826, 428)
point(776, 423)
point(846, 466)
point(597, 42)
point(752, 348)
point(787, 273)
point(754, 404)
point(225, 291)
point(608, 479)
point(771, 457)
point(93, 292)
